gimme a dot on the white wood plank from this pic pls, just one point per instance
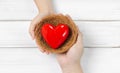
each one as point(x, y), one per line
point(100, 34)
point(30, 60)
point(17, 10)
point(15, 33)
point(79, 9)
point(27, 60)
point(90, 9)
point(101, 60)
point(95, 34)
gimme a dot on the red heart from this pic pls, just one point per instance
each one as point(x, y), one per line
point(55, 35)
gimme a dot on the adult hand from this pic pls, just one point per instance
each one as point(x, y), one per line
point(70, 61)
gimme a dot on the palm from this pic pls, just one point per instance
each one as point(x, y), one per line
point(73, 54)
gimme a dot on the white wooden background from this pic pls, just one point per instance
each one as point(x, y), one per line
point(98, 20)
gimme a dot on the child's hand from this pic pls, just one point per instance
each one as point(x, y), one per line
point(33, 24)
point(45, 7)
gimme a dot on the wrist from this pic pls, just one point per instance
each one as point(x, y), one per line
point(64, 63)
point(47, 12)
point(72, 68)
point(42, 14)
point(67, 65)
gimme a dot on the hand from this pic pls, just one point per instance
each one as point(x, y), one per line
point(33, 24)
point(71, 59)
point(74, 54)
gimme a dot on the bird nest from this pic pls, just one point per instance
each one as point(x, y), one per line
point(55, 19)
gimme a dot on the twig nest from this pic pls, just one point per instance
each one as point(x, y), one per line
point(55, 20)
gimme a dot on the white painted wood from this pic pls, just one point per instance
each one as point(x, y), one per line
point(78, 9)
point(30, 60)
point(15, 33)
point(15, 18)
point(27, 60)
point(101, 60)
point(95, 34)
point(17, 10)
point(90, 9)
point(100, 34)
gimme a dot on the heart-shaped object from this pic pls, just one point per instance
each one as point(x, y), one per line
point(55, 36)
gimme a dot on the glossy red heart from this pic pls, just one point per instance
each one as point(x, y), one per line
point(55, 35)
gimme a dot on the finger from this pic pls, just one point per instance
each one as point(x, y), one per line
point(31, 30)
point(79, 38)
point(30, 34)
point(34, 22)
point(47, 52)
point(42, 50)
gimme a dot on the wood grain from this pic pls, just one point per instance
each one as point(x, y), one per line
point(95, 34)
point(79, 10)
point(29, 60)
point(98, 20)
